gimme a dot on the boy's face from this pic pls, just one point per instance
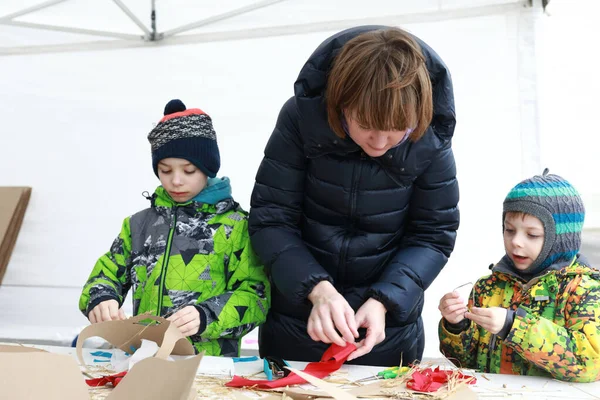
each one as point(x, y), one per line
point(523, 238)
point(181, 179)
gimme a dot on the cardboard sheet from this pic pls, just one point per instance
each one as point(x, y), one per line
point(29, 373)
point(130, 332)
point(13, 203)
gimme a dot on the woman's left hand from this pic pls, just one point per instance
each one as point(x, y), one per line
point(370, 315)
point(187, 320)
point(491, 319)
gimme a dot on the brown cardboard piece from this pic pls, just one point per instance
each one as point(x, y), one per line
point(13, 203)
point(28, 373)
point(329, 388)
point(130, 332)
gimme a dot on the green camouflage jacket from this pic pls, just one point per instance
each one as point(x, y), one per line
point(172, 255)
point(556, 330)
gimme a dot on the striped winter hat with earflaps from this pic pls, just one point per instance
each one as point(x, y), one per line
point(556, 203)
point(187, 134)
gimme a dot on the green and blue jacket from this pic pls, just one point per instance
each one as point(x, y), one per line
point(172, 255)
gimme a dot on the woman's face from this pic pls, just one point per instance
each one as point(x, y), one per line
point(373, 142)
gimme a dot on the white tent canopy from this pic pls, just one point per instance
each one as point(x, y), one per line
point(94, 24)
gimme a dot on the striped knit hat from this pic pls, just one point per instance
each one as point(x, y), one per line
point(557, 204)
point(186, 134)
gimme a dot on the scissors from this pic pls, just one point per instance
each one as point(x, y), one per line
point(388, 373)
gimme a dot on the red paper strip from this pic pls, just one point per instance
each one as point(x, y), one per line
point(332, 360)
point(430, 380)
point(113, 379)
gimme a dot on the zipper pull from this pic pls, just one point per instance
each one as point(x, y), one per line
point(173, 217)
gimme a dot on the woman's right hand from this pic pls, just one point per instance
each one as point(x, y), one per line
point(330, 311)
point(452, 307)
point(106, 311)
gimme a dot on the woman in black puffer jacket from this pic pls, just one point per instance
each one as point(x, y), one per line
point(354, 211)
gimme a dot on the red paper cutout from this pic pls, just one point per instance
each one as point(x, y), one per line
point(430, 380)
point(331, 361)
point(113, 379)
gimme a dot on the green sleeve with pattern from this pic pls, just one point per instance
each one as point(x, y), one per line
point(247, 297)
point(570, 352)
point(110, 278)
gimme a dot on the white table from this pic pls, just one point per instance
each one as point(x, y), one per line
point(489, 386)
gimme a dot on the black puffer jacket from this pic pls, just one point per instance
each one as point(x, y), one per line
point(375, 227)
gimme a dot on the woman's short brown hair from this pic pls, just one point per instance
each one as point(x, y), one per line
point(381, 78)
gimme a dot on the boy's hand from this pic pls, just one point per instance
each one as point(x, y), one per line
point(187, 320)
point(370, 315)
point(330, 311)
point(106, 311)
point(491, 319)
point(453, 308)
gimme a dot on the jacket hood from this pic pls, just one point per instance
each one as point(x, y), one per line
point(161, 198)
point(507, 267)
point(312, 81)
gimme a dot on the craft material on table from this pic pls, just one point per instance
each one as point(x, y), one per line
point(388, 373)
point(331, 361)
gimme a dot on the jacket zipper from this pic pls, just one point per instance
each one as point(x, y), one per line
point(346, 242)
point(163, 272)
point(491, 348)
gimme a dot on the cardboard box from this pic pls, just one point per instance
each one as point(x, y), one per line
point(13, 203)
point(28, 373)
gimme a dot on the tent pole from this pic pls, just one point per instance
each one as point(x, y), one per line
point(153, 34)
point(528, 26)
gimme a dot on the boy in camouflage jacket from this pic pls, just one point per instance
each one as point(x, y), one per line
point(187, 257)
point(538, 313)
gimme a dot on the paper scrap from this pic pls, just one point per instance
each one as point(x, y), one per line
point(331, 389)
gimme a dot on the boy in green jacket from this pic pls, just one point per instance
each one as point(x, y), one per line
point(187, 257)
point(538, 313)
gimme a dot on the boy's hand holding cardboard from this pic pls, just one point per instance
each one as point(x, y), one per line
point(106, 311)
point(491, 319)
point(187, 320)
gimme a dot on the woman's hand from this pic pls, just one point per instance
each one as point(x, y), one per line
point(106, 311)
point(371, 316)
point(187, 320)
point(452, 307)
point(330, 311)
point(491, 319)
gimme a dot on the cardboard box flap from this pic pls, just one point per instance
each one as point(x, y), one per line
point(156, 379)
point(130, 332)
point(29, 373)
point(13, 203)
point(40, 375)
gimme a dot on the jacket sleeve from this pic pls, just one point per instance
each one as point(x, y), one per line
point(111, 277)
point(570, 352)
point(276, 211)
point(247, 296)
point(459, 347)
point(427, 243)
